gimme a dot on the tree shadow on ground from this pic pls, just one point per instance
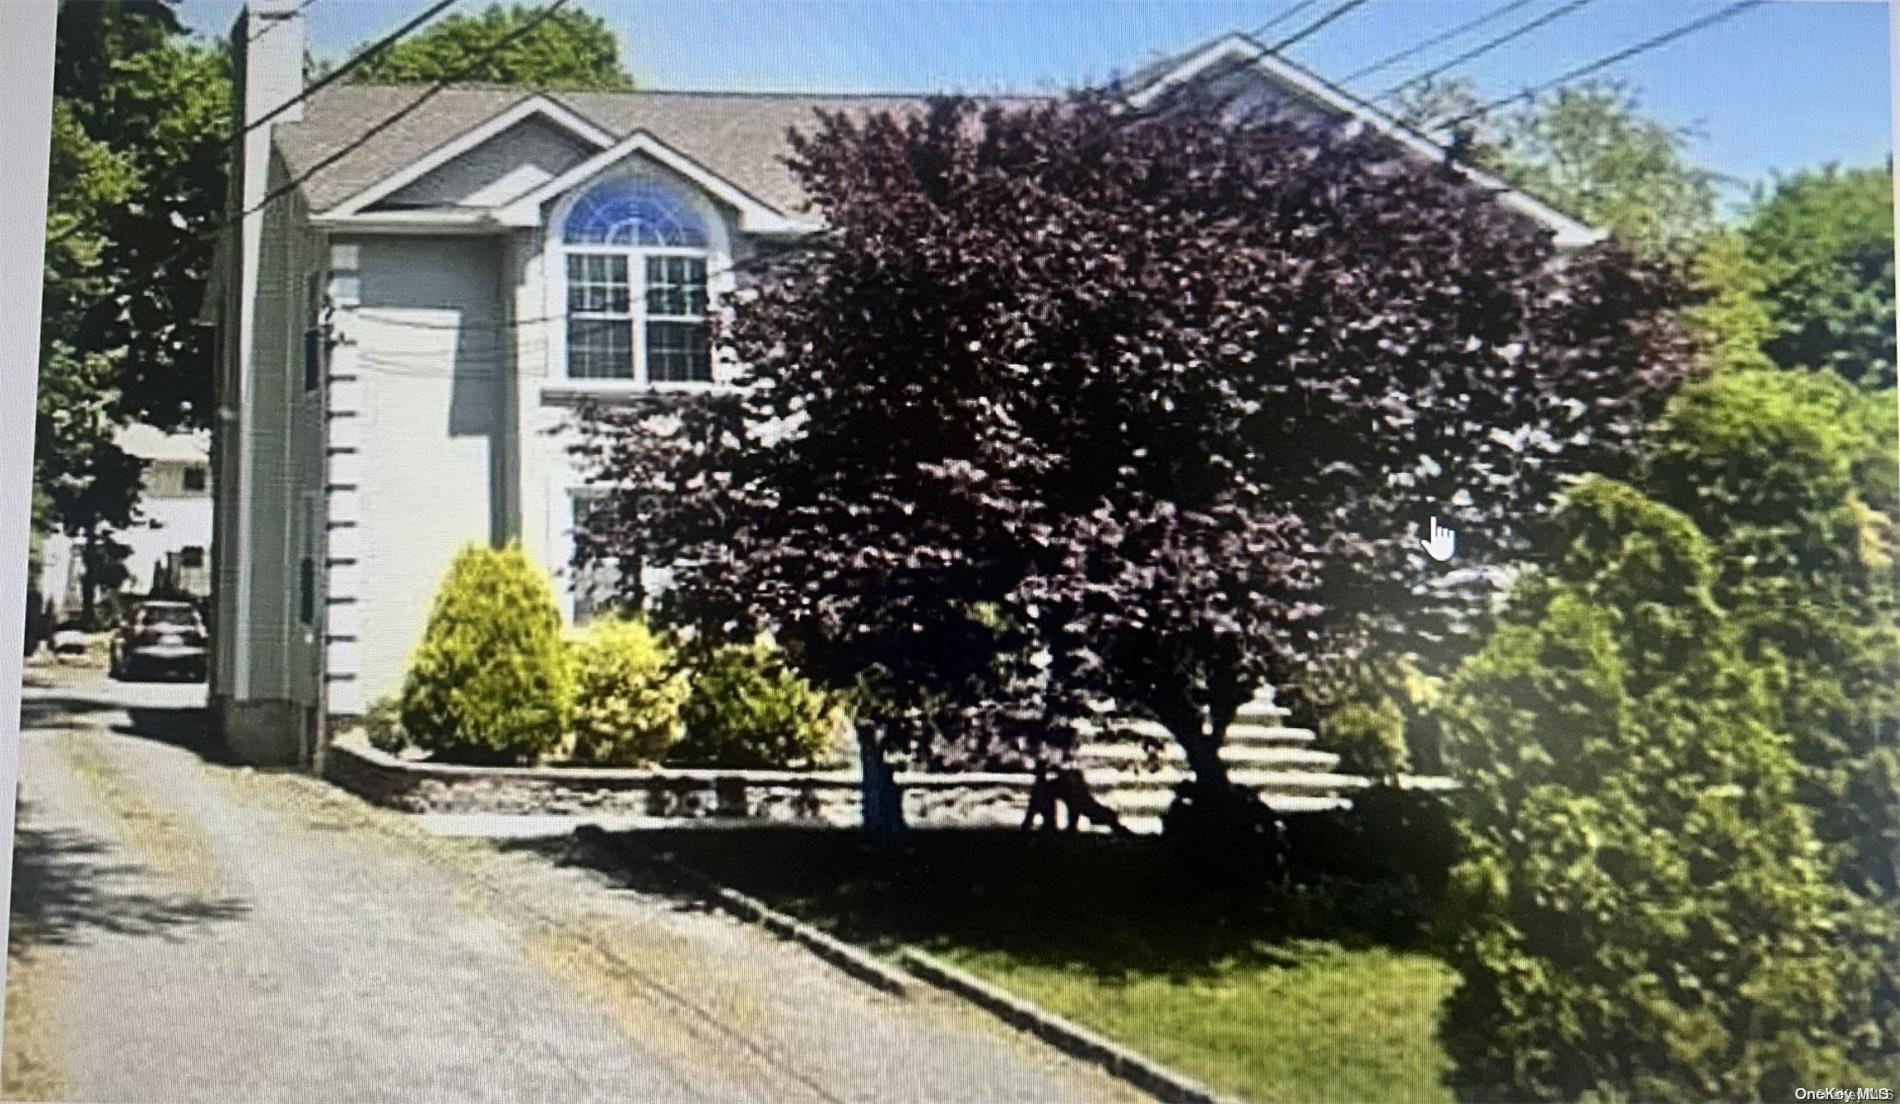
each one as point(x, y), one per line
point(612, 868)
point(68, 884)
point(1114, 907)
point(62, 711)
point(187, 728)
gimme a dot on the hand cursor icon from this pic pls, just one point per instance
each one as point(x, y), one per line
point(1442, 544)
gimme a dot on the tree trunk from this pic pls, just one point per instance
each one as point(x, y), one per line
point(1203, 756)
point(88, 580)
point(882, 801)
point(1202, 746)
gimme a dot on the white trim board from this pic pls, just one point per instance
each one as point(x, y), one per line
point(755, 217)
point(532, 106)
point(1240, 50)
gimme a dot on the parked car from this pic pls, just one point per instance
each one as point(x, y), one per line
point(160, 638)
point(69, 639)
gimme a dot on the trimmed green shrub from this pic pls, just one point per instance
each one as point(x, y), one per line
point(1373, 710)
point(1368, 737)
point(382, 724)
point(627, 694)
point(490, 682)
point(1642, 912)
point(748, 709)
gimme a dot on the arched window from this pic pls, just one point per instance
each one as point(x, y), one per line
point(636, 285)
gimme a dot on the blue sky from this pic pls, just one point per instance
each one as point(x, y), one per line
point(1788, 85)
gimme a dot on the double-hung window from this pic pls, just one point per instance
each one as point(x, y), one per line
point(635, 256)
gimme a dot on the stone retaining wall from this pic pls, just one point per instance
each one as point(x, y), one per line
point(829, 797)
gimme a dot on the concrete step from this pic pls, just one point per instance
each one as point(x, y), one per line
point(1136, 757)
point(1154, 802)
point(1241, 733)
point(1106, 780)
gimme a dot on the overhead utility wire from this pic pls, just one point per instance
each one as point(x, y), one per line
point(1479, 51)
point(1605, 62)
point(1284, 16)
point(1442, 37)
point(1314, 27)
point(276, 23)
point(350, 65)
point(211, 232)
point(467, 68)
point(1237, 64)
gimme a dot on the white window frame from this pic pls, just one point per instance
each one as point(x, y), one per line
point(717, 256)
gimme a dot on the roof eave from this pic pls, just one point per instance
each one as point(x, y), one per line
point(1568, 233)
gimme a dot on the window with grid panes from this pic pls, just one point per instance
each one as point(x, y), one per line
point(636, 286)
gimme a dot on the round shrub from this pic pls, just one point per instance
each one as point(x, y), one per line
point(490, 682)
point(382, 724)
point(627, 694)
point(748, 709)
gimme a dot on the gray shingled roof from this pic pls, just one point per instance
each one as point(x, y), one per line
point(738, 135)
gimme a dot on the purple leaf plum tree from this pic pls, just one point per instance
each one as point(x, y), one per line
point(1060, 407)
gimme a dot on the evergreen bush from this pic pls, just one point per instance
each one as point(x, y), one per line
point(1643, 912)
point(627, 694)
point(1792, 475)
point(490, 682)
point(748, 709)
point(382, 725)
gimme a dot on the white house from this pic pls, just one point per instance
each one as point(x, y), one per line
point(170, 540)
point(414, 291)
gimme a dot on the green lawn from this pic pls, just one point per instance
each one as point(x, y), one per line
point(1246, 998)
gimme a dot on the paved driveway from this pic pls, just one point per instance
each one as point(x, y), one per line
point(185, 930)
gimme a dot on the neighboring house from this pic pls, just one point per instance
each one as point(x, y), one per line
point(406, 330)
point(170, 538)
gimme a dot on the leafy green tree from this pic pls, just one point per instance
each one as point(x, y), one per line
point(570, 49)
point(491, 681)
point(1823, 241)
point(85, 485)
point(160, 105)
point(1591, 152)
point(1643, 914)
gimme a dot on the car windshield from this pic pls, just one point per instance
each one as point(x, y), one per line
point(169, 616)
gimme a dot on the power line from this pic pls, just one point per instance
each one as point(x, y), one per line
point(276, 23)
point(1284, 16)
point(1479, 51)
point(1442, 37)
point(473, 64)
point(350, 65)
point(1238, 63)
point(1314, 27)
point(1605, 62)
point(122, 294)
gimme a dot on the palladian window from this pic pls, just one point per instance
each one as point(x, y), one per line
point(636, 286)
